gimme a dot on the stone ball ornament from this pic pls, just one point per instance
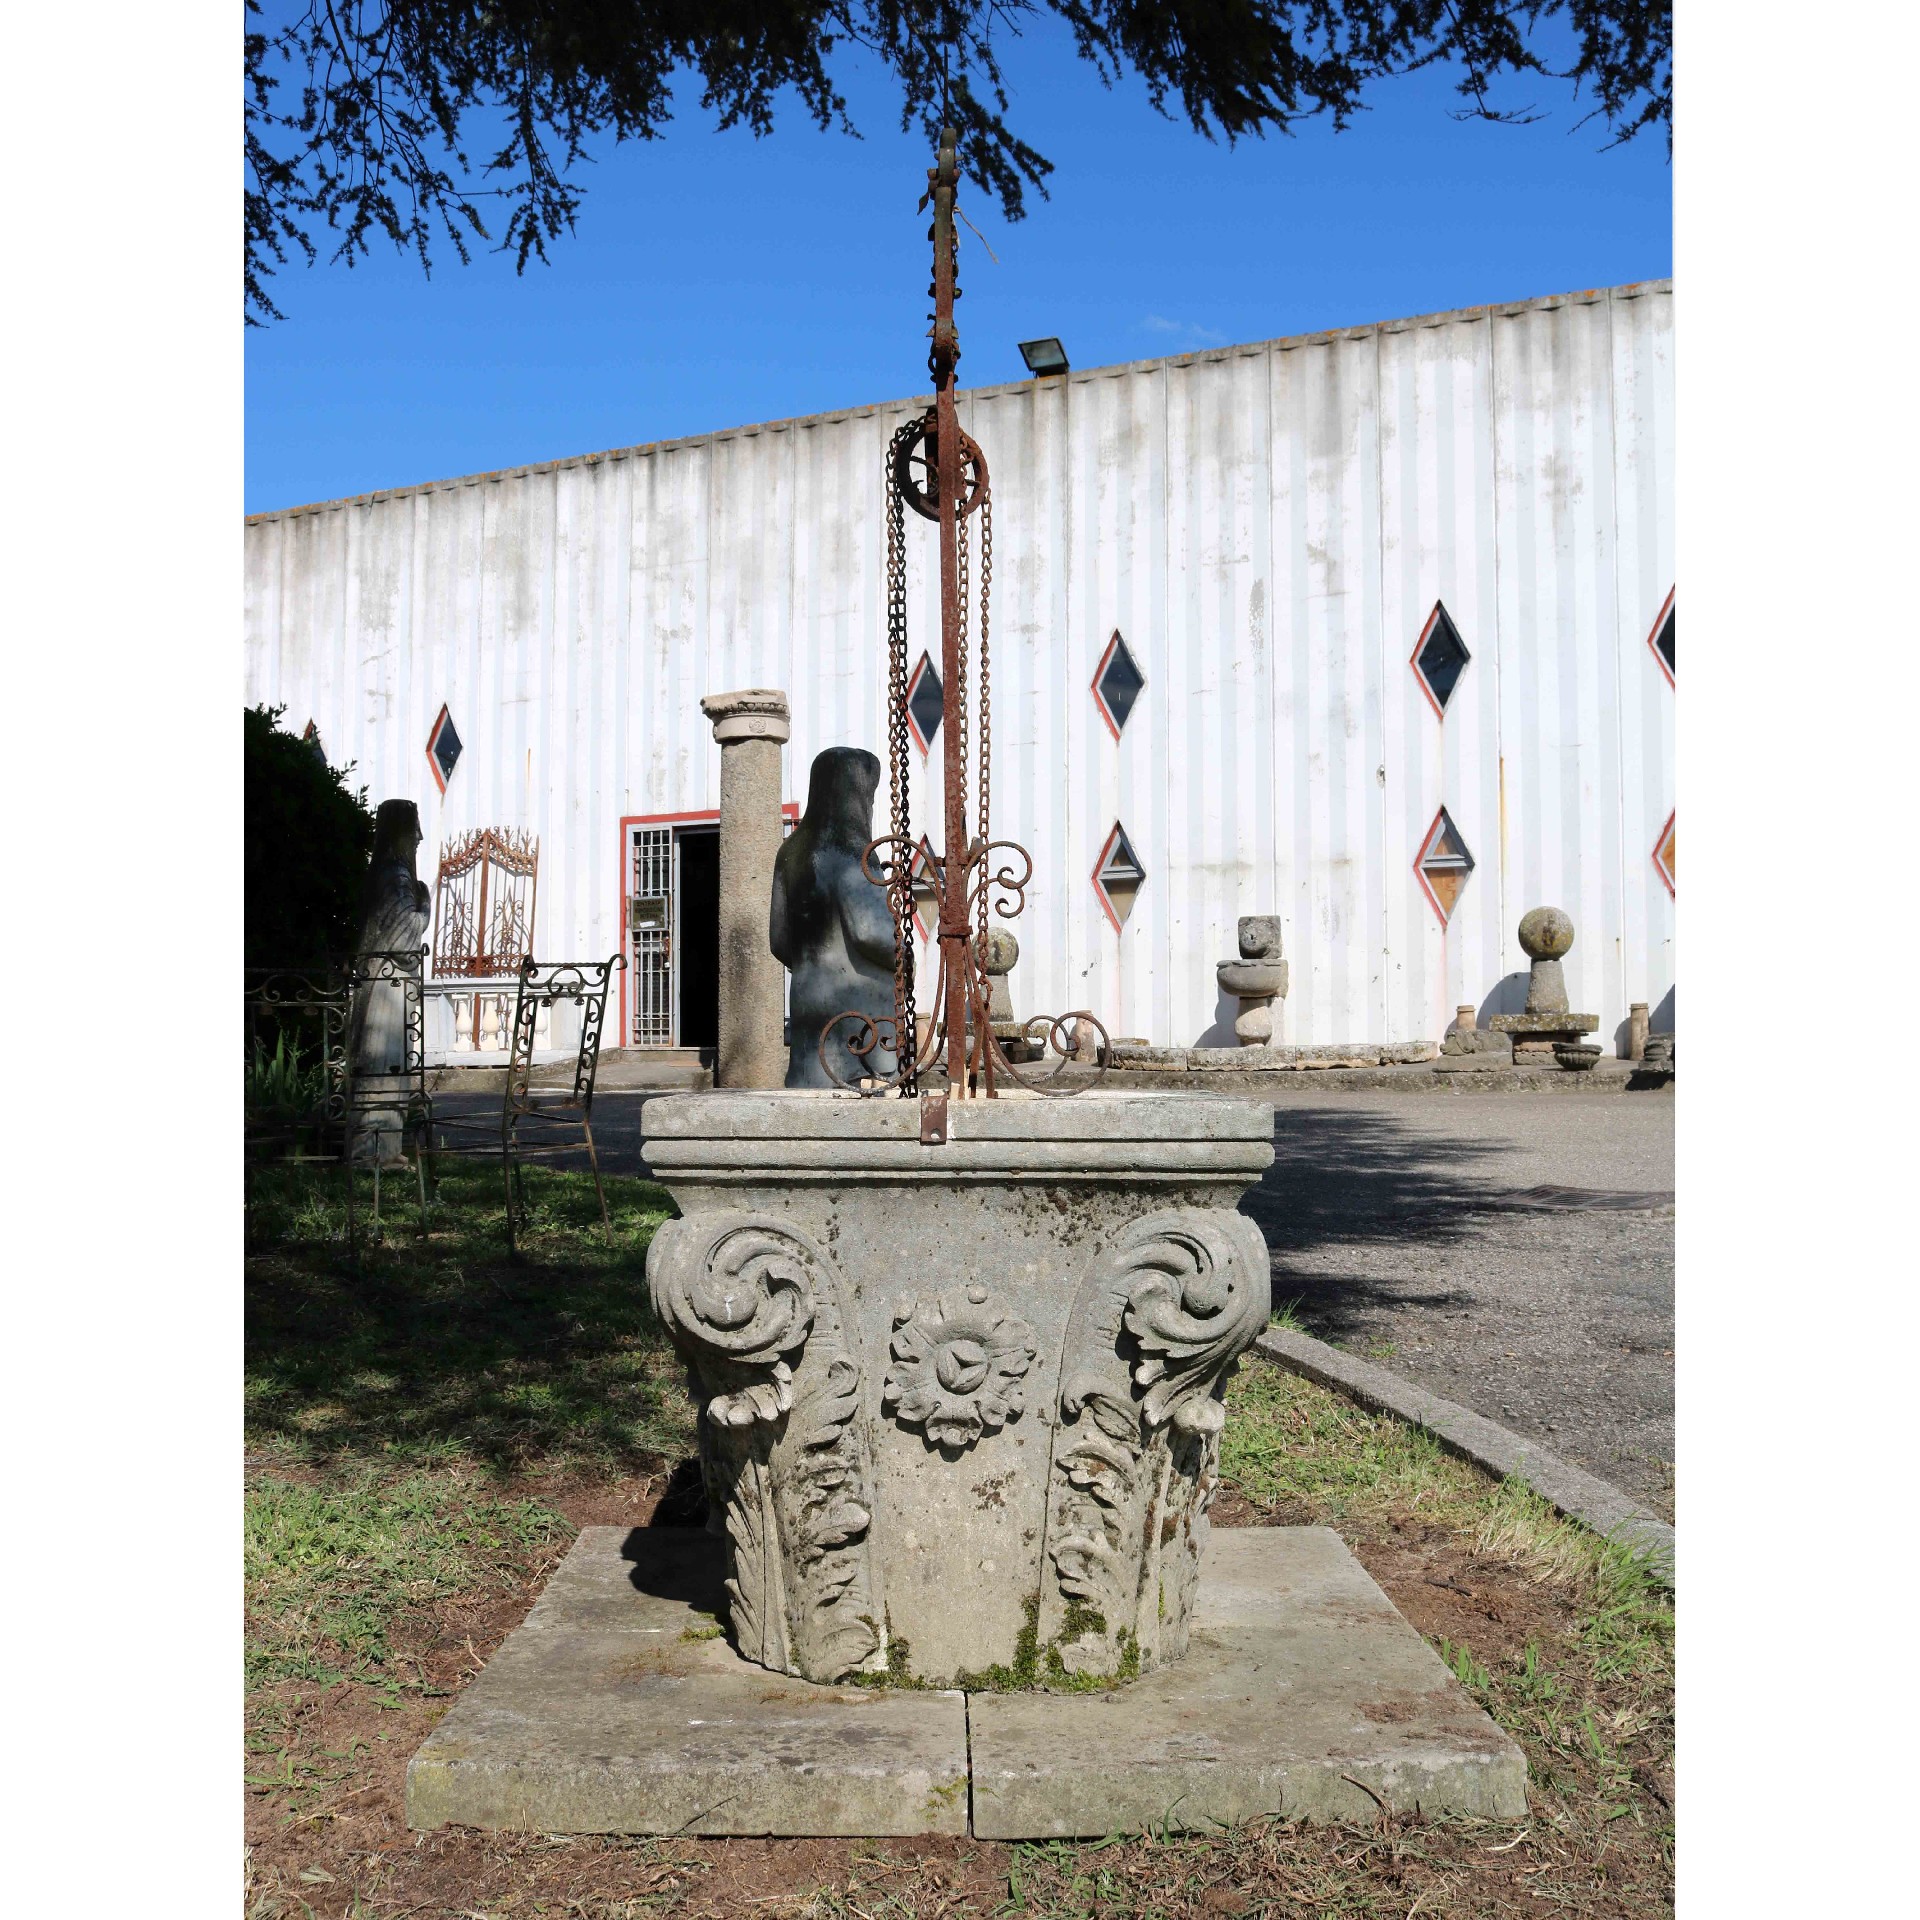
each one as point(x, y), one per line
point(1001, 953)
point(1546, 934)
point(958, 1364)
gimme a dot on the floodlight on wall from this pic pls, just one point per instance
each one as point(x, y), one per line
point(1044, 357)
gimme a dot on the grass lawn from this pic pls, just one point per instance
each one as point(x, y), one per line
point(426, 1435)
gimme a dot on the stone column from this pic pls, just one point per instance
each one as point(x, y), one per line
point(1637, 1030)
point(751, 726)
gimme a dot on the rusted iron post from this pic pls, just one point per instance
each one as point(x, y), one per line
point(933, 468)
point(954, 929)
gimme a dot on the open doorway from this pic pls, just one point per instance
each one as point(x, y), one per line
point(697, 971)
point(670, 865)
point(672, 991)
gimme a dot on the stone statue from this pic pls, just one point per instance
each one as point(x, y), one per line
point(393, 919)
point(831, 927)
point(1257, 979)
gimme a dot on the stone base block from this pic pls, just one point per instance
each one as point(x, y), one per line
point(1545, 1026)
point(1125, 1059)
point(1470, 1041)
point(1239, 1059)
point(616, 1709)
point(1301, 1680)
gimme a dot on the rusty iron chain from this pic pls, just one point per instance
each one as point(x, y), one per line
point(900, 873)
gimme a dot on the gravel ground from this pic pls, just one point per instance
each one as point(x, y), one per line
point(1512, 1251)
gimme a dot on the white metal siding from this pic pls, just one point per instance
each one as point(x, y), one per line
point(1269, 528)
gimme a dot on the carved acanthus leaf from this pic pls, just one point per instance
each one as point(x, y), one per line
point(1203, 1295)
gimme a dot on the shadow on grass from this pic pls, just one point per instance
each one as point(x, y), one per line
point(441, 1349)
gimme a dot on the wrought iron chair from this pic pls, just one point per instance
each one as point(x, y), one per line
point(296, 1043)
point(323, 1109)
point(539, 1123)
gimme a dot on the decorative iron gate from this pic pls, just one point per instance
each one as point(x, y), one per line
point(484, 900)
point(651, 902)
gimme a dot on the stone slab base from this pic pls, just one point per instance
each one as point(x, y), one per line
point(617, 1708)
point(1304, 1694)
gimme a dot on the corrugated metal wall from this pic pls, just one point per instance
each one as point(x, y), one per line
point(1268, 526)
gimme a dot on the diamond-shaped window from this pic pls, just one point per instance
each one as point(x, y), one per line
point(1661, 639)
point(924, 703)
point(1117, 684)
point(1443, 865)
point(1663, 853)
point(1118, 876)
point(443, 749)
point(1440, 658)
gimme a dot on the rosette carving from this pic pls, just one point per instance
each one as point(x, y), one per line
point(958, 1364)
point(1162, 1316)
point(754, 1308)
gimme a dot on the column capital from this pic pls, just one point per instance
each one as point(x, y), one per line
point(750, 713)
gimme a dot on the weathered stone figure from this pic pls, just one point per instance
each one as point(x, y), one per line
point(393, 919)
point(1258, 978)
point(830, 926)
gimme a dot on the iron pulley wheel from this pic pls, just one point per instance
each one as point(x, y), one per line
point(916, 471)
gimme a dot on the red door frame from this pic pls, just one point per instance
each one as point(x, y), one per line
point(701, 816)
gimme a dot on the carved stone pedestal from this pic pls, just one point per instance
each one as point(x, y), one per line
point(961, 1404)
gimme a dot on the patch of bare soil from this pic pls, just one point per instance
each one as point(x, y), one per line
point(1596, 1842)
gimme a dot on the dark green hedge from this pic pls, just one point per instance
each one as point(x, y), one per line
point(308, 839)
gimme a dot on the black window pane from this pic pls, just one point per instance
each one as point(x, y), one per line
point(446, 747)
point(1665, 642)
point(1121, 683)
point(1443, 658)
point(924, 701)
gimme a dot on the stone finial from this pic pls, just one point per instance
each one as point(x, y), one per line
point(1002, 950)
point(750, 713)
point(1546, 934)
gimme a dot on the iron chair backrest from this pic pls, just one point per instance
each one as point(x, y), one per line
point(401, 1088)
point(584, 982)
point(307, 1008)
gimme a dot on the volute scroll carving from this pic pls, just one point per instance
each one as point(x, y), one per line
point(755, 1308)
point(1164, 1313)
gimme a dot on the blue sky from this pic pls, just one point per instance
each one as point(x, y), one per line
point(714, 280)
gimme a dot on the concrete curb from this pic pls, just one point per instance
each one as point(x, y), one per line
point(1571, 1490)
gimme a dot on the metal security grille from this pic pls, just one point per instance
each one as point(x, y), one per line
point(650, 919)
